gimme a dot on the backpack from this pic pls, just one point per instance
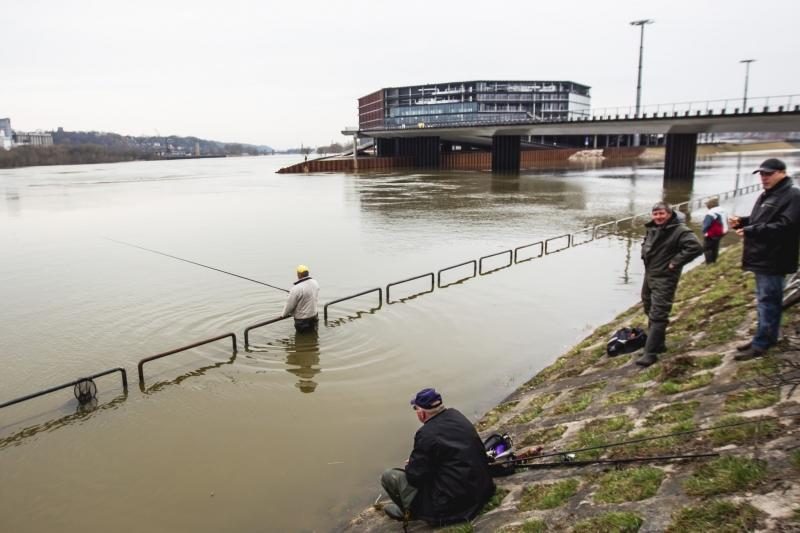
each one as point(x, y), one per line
point(626, 340)
point(716, 229)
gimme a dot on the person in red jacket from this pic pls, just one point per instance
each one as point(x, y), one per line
point(446, 479)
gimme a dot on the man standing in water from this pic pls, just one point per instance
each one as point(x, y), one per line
point(446, 479)
point(302, 302)
point(771, 234)
point(668, 245)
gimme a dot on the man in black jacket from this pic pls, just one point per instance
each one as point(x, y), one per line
point(771, 235)
point(668, 245)
point(446, 479)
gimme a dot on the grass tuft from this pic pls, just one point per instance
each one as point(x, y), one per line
point(531, 526)
point(751, 399)
point(626, 396)
point(579, 399)
point(492, 417)
point(674, 386)
point(670, 414)
point(718, 515)
point(599, 432)
point(543, 436)
point(629, 485)
point(724, 475)
point(533, 409)
point(547, 495)
point(756, 429)
point(495, 501)
point(613, 522)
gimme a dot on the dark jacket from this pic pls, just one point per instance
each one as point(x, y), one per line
point(673, 242)
point(448, 467)
point(772, 231)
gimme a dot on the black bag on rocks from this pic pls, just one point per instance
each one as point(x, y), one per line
point(626, 340)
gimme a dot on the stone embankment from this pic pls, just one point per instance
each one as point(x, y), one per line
point(587, 399)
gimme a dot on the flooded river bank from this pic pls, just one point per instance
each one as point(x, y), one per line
point(290, 436)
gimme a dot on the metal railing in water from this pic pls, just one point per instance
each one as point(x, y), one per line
point(421, 276)
point(445, 269)
point(248, 329)
point(501, 267)
point(517, 260)
point(27, 397)
point(362, 293)
point(232, 336)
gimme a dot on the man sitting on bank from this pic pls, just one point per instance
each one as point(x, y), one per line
point(446, 479)
point(302, 302)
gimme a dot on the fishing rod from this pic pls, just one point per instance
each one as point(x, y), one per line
point(565, 454)
point(194, 263)
point(571, 463)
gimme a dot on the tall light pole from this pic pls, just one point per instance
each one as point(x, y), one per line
point(746, 80)
point(641, 24)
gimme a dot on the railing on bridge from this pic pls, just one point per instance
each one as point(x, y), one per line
point(725, 107)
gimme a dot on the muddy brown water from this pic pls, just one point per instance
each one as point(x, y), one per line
point(292, 435)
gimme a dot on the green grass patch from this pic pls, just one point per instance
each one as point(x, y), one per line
point(759, 367)
point(492, 417)
point(533, 409)
point(718, 515)
point(599, 432)
point(674, 386)
point(673, 413)
point(705, 362)
point(495, 501)
point(660, 446)
point(795, 459)
point(649, 374)
point(547, 495)
point(614, 522)
point(724, 475)
point(543, 436)
point(626, 396)
point(579, 399)
point(750, 399)
point(629, 485)
point(757, 429)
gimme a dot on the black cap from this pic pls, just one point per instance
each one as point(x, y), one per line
point(771, 165)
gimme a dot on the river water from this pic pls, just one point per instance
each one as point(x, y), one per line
point(292, 435)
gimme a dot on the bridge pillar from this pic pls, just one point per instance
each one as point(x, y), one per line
point(505, 154)
point(423, 150)
point(386, 147)
point(680, 157)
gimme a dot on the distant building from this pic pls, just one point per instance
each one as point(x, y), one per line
point(33, 139)
point(471, 102)
point(6, 135)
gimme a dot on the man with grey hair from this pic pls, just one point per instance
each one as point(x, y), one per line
point(668, 245)
point(446, 479)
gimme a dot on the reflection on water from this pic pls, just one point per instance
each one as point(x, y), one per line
point(302, 357)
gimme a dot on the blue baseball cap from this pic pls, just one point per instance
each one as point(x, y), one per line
point(427, 399)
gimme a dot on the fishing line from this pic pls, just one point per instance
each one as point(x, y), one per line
point(194, 263)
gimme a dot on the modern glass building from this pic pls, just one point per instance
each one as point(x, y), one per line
point(473, 102)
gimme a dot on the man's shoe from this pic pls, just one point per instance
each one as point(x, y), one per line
point(393, 511)
point(744, 347)
point(647, 360)
point(750, 353)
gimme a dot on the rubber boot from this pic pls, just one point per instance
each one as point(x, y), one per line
point(647, 359)
point(393, 511)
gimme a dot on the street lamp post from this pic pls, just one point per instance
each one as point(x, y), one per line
point(746, 80)
point(641, 23)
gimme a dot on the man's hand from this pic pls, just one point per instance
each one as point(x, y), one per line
point(734, 222)
point(671, 266)
point(740, 232)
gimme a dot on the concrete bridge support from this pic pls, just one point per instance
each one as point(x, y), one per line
point(505, 154)
point(424, 150)
point(680, 156)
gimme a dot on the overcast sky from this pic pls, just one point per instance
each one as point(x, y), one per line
point(282, 73)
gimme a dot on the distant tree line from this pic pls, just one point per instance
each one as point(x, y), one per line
point(28, 156)
point(78, 147)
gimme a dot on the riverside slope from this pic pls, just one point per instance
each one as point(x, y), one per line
point(586, 399)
